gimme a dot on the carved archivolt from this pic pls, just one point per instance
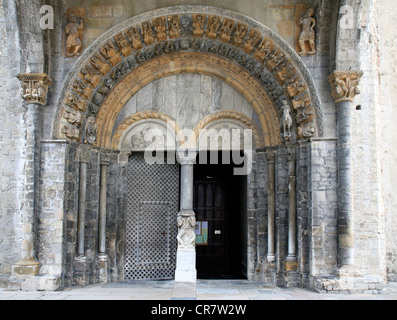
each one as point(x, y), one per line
point(237, 42)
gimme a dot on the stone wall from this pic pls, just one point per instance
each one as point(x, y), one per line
point(12, 133)
point(367, 45)
point(386, 122)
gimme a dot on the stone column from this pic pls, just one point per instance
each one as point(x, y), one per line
point(271, 161)
point(344, 88)
point(291, 263)
point(28, 265)
point(81, 259)
point(186, 255)
point(34, 92)
point(103, 262)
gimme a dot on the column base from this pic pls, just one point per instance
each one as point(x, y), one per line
point(103, 268)
point(26, 268)
point(271, 258)
point(186, 266)
point(290, 264)
point(36, 283)
point(80, 271)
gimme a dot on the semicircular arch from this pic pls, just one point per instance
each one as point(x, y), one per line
point(218, 42)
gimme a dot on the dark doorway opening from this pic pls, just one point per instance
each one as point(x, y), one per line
point(220, 207)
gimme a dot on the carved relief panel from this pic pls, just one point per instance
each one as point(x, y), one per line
point(149, 134)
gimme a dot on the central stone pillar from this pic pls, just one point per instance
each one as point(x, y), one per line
point(186, 254)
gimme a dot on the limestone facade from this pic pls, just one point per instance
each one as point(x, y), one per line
point(319, 204)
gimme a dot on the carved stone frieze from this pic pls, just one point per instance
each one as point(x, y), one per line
point(344, 85)
point(34, 87)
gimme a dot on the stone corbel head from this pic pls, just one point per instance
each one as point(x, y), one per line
point(34, 87)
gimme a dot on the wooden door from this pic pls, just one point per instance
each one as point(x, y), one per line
point(218, 204)
point(209, 206)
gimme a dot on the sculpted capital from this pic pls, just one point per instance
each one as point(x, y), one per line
point(344, 85)
point(34, 87)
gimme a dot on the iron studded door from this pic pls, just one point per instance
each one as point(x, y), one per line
point(151, 214)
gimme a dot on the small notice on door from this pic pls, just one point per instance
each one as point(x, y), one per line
point(201, 231)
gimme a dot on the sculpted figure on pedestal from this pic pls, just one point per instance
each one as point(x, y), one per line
point(286, 121)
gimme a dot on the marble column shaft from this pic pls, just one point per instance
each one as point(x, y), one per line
point(102, 205)
point(271, 161)
point(291, 157)
point(84, 159)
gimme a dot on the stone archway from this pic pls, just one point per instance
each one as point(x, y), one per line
point(233, 48)
point(208, 40)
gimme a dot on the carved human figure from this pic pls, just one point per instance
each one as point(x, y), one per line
point(264, 50)
point(26, 92)
point(134, 37)
point(186, 235)
point(286, 121)
point(71, 132)
point(147, 33)
point(38, 91)
point(73, 41)
point(91, 130)
point(214, 24)
point(198, 25)
point(73, 116)
point(123, 45)
point(308, 22)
